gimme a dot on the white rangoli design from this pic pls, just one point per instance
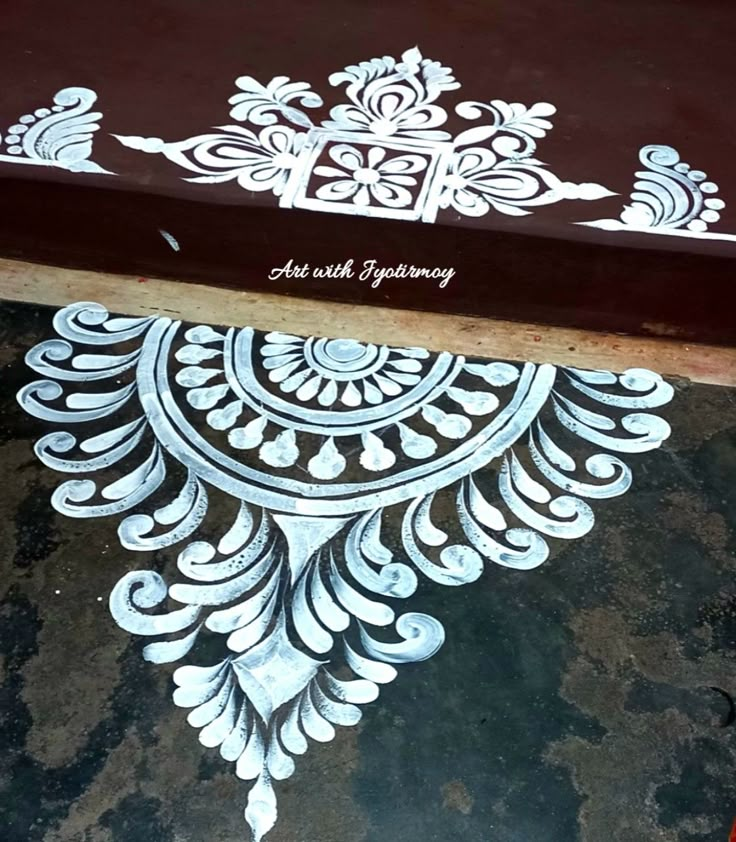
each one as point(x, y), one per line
point(288, 565)
point(59, 136)
point(669, 198)
point(384, 153)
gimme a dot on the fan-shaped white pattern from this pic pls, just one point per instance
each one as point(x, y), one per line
point(311, 443)
point(383, 153)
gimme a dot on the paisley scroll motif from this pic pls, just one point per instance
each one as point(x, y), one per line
point(669, 198)
point(383, 153)
point(59, 136)
point(272, 463)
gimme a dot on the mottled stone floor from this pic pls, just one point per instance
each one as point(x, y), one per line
point(585, 701)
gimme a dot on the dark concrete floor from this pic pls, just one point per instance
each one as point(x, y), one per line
point(585, 701)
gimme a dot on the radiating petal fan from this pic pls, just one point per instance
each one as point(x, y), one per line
point(300, 586)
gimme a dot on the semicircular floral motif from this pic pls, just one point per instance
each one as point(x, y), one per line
point(340, 371)
point(340, 396)
point(177, 431)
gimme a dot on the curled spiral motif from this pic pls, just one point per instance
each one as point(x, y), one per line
point(300, 585)
point(59, 136)
point(385, 152)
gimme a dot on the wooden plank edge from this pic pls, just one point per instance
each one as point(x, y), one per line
point(469, 335)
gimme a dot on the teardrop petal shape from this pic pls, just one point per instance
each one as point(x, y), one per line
point(448, 425)
point(414, 445)
point(328, 463)
point(376, 456)
point(388, 387)
point(207, 396)
point(474, 403)
point(404, 379)
point(194, 375)
point(201, 334)
point(277, 375)
point(408, 365)
point(307, 391)
point(282, 452)
point(328, 395)
point(245, 438)
point(372, 394)
point(223, 419)
point(194, 354)
point(351, 396)
point(291, 384)
point(495, 374)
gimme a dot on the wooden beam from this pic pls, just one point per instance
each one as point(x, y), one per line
point(467, 335)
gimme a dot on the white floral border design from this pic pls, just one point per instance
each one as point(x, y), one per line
point(300, 580)
point(669, 198)
point(58, 136)
point(384, 153)
point(387, 138)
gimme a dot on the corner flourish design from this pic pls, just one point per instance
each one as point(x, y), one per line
point(59, 136)
point(274, 462)
point(383, 153)
point(669, 198)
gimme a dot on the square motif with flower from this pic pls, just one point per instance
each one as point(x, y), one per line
point(352, 173)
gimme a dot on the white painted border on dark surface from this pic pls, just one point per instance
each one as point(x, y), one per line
point(287, 567)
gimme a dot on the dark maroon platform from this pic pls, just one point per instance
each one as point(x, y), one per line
point(621, 76)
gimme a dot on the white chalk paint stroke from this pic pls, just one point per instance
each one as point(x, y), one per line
point(309, 441)
point(669, 198)
point(382, 154)
point(59, 136)
point(170, 239)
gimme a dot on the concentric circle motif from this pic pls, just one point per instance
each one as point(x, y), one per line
point(302, 448)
